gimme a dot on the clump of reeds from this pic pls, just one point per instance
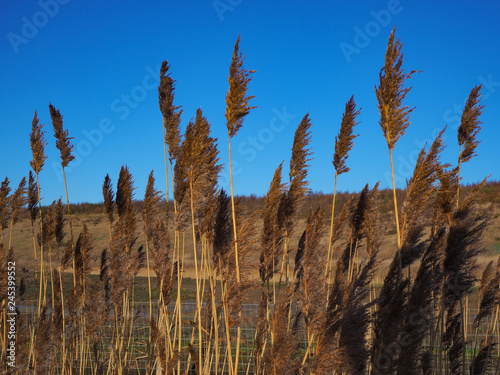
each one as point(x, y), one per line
point(324, 321)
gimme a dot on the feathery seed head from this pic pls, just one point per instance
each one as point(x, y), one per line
point(152, 198)
point(470, 125)
point(344, 141)
point(237, 103)
point(124, 191)
point(32, 197)
point(170, 112)
point(4, 203)
point(394, 117)
point(62, 138)
point(18, 200)
point(38, 143)
point(107, 192)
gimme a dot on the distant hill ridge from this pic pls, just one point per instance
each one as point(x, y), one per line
point(490, 193)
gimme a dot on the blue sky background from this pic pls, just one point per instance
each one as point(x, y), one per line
point(98, 62)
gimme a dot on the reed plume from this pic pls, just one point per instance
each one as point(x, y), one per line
point(96, 315)
point(419, 192)
point(62, 137)
point(124, 191)
point(44, 350)
point(469, 129)
point(199, 160)
point(394, 116)
point(310, 280)
point(166, 272)
point(453, 340)
point(171, 113)
point(237, 103)
point(481, 363)
point(123, 263)
point(83, 257)
point(418, 313)
point(17, 201)
point(171, 116)
point(38, 143)
point(181, 190)
point(237, 291)
point(343, 144)
point(445, 201)
point(298, 185)
point(151, 210)
point(463, 246)
point(280, 357)
point(32, 198)
point(3, 273)
point(109, 203)
point(310, 283)
point(356, 319)
point(344, 141)
point(272, 236)
point(4, 205)
point(127, 222)
point(470, 125)
point(223, 230)
point(488, 293)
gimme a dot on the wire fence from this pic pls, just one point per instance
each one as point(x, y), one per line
point(140, 354)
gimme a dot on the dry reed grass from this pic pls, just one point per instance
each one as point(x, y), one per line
point(314, 319)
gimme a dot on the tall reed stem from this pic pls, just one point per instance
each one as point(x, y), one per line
point(235, 232)
point(41, 247)
point(70, 225)
point(396, 215)
point(198, 302)
point(328, 260)
point(166, 164)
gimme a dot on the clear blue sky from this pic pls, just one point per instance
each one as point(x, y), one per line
point(98, 62)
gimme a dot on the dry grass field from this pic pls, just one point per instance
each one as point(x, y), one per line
point(97, 224)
